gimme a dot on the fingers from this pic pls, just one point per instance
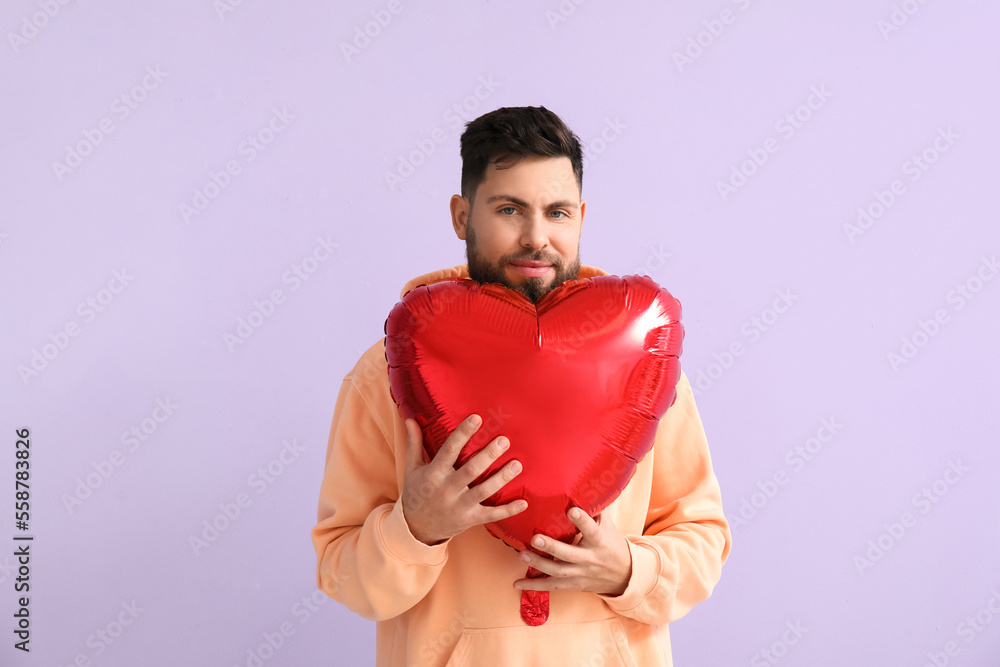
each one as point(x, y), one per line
point(452, 447)
point(482, 460)
point(555, 548)
point(414, 445)
point(494, 482)
point(448, 454)
point(572, 553)
point(547, 566)
point(501, 512)
point(538, 584)
point(584, 523)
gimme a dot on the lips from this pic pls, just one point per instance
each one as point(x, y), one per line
point(531, 269)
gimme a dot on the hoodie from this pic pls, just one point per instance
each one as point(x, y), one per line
point(453, 603)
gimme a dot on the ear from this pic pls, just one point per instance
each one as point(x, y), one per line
point(459, 214)
point(583, 211)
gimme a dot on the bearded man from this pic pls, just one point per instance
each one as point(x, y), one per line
point(400, 540)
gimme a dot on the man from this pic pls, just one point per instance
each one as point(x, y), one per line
point(400, 539)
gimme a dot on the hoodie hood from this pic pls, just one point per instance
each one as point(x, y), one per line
point(462, 271)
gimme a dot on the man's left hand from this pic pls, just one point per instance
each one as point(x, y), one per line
point(599, 563)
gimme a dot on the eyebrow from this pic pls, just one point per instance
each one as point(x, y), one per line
point(521, 202)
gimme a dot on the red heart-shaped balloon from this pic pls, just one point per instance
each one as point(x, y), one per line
point(576, 382)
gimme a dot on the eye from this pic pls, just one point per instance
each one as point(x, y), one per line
point(508, 208)
point(562, 214)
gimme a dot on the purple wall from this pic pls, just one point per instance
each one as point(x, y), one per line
point(814, 181)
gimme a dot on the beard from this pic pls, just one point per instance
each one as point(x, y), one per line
point(482, 271)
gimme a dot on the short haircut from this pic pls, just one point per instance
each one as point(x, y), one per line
point(504, 136)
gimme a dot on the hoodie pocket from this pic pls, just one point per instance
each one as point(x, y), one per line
point(597, 643)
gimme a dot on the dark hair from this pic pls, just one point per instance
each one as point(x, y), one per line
point(507, 134)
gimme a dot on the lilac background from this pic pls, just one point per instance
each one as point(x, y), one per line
point(671, 132)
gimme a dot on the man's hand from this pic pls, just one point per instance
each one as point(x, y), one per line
point(437, 501)
point(598, 563)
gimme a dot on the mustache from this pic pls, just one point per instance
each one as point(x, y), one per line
point(534, 258)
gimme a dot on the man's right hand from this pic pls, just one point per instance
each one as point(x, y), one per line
point(437, 501)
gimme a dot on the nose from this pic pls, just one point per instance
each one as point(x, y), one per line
point(534, 234)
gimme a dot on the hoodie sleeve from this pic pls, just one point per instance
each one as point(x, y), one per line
point(678, 559)
point(367, 558)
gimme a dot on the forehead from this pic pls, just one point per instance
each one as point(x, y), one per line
point(533, 179)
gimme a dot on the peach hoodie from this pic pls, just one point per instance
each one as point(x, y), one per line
point(453, 603)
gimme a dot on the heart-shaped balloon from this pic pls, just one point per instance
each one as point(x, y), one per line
point(576, 382)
